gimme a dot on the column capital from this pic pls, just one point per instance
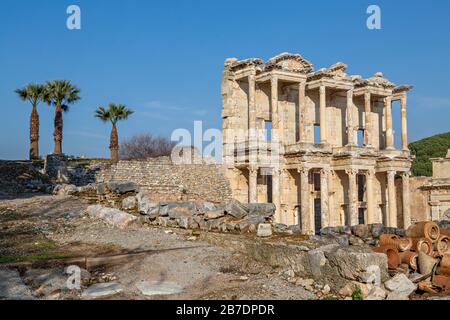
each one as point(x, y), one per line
point(405, 174)
point(322, 89)
point(387, 100)
point(274, 79)
point(367, 95)
point(325, 171)
point(350, 93)
point(351, 171)
point(370, 172)
point(253, 170)
point(391, 173)
point(303, 170)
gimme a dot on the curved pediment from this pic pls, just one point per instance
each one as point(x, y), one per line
point(289, 62)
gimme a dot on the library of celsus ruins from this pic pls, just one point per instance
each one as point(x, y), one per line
point(329, 138)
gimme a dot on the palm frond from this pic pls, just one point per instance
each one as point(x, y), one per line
point(114, 113)
point(61, 92)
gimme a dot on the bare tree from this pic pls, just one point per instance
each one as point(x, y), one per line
point(145, 146)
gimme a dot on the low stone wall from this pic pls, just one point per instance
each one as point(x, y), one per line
point(165, 180)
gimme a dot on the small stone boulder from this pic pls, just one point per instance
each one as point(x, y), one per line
point(264, 230)
point(122, 187)
point(102, 290)
point(111, 216)
point(146, 206)
point(214, 214)
point(266, 210)
point(236, 209)
point(65, 189)
point(129, 203)
point(401, 285)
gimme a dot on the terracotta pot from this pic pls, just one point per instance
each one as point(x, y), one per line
point(402, 244)
point(410, 258)
point(422, 244)
point(392, 255)
point(424, 229)
point(443, 271)
point(426, 263)
point(442, 245)
point(445, 262)
point(445, 232)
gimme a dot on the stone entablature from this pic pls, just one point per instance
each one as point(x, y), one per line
point(324, 175)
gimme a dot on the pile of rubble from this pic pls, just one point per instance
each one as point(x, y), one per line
point(424, 251)
point(21, 177)
point(111, 193)
point(232, 216)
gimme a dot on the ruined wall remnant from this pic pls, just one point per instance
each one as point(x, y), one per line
point(165, 180)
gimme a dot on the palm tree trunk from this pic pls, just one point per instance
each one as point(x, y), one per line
point(58, 135)
point(114, 144)
point(34, 134)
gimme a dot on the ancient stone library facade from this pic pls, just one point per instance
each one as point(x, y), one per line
point(332, 135)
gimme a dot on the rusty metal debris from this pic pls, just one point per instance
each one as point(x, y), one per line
point(426, 250)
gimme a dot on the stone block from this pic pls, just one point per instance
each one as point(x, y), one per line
point(264, 230)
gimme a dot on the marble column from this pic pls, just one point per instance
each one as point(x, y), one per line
point(404, 123)
point(323, 115)
point(274, 109)
point(405, 200)
point(307, 215)
point(252, 108)
point(352, 197)
point(276, 193)
point(350, 124)
point(252, 184)
point(392, 204)
point(389, 130)
point(324, 197)
point(302, 110)
point(367, 119)
point(370, 196)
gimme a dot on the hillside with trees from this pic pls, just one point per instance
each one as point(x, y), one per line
point(431, 147)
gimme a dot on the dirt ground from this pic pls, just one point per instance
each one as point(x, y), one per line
point(36, 229)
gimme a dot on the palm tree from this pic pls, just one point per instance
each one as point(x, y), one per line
point(60, 93)
point(114, 113)
point(33, 93)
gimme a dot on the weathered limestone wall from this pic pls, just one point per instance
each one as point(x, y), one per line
point(160, 177)
point(420, 208)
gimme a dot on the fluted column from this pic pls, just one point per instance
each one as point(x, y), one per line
point(276, 193)
point(323, 115)
point(352, 197)
point(392, 221)
point(307, 215)
point(252, 184)
point(368, 119)
point(302, 110)
point(370, 196)
point(405, 200)
point(404, 123)
point(324, 197)
point(350, 123)
point(389, 130)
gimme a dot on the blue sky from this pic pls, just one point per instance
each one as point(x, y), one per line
point(164, 59)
